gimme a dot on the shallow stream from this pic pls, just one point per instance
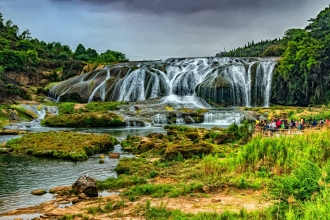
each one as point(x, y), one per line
point(19, 175)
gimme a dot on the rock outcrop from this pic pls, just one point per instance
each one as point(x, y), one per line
point(87, 185)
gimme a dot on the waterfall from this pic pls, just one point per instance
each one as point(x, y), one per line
point(223, 118)
point(160, 119)
point(38, 111)
point(137, 124)
point(185, 82)
point(179, 119)
point(263, 82)
point(100, 88)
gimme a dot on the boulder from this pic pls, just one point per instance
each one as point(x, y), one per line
point(86, 184)
point(14, 116)
point(38, 192)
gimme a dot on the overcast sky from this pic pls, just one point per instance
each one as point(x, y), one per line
point(156, 29)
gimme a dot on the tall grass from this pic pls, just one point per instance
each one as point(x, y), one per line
point(213, 169)
point(282, 154)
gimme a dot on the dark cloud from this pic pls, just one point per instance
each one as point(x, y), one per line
point(194, 6)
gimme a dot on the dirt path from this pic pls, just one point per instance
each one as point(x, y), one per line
point(229, 199)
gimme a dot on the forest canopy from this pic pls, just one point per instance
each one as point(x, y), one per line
point(20, 52)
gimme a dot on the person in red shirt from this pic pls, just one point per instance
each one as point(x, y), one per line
point(278, 123)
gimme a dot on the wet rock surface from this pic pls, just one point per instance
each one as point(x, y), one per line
point(38, 192)
point(60, 189)
point(87, 185)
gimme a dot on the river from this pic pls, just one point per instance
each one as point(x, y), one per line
point(19, 175)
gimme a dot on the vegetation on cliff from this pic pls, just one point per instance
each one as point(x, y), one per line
point(65, 145)
point(302, 76)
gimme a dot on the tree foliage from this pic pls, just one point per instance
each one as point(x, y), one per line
point(304, 65)
point(19, 51)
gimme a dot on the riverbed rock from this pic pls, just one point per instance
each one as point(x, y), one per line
point(86, 184)
point(60, 189)
point(114, 155)
point(82, 196)
point(38, 192)
point(11, 132)
point(222, 138)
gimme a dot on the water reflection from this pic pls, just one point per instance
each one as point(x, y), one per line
point(21, 174)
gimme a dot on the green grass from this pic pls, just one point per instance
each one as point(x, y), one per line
point(66, 145)
point(102, 106)
point(283, 154)
point(84, 120)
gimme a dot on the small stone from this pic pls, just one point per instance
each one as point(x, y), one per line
point(63, 202)
point(38, 192)
point(82, 196)
point(114, 155)
point(196, 200)
point(206, 189)
point(74, 201)
point(216, 200)
point(101, 161)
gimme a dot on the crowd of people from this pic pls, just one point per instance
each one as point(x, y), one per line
point(277, 123)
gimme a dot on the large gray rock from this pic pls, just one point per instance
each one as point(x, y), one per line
point(86, 184)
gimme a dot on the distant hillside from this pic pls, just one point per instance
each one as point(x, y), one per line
point(27, 61)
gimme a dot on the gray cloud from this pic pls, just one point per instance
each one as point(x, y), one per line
point(152, 29)
point(194, 6)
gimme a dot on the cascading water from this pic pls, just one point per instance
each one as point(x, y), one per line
point(100, 88)
point(187, 82)
point(39, 112)
point(223, 118)
point(160, 119)
point(179, 119)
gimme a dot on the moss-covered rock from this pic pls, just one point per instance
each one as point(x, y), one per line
point(66, 145)
point(88, 119)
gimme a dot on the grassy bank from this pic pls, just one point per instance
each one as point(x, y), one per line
point(65, 145)
point(291, 172)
